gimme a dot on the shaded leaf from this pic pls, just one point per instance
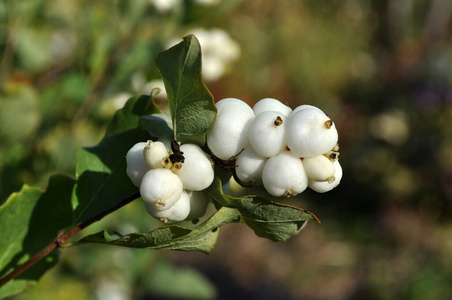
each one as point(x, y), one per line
point(158, 125)
point(173, 237)
point(272, 220)
point(191, 104)
point(29, 221)
point(101, 170)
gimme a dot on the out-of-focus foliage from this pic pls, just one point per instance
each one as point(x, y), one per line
point(382, 71)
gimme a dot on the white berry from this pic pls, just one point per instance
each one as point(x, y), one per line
point(249, 166)
point(197, 172)
point(304, 106)
point(268, 133)
point(161, 188)
point(325, 186)
point(229, 134)
point(310, 133)
point(178, 212)
point(136, 165)
point(156, 154)
point(284, 175)
point(319, 168)
point(270, 104)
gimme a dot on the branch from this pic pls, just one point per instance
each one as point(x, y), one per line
point(62, 238)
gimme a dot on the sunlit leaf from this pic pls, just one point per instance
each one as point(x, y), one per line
point(272, 220)
point(191, 104)
point(172, 237)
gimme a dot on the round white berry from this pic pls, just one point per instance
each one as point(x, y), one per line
point(136, 165)
point(161, 188)
point(229, 134)
point(310, 133)
point(197, 172)
point(319, 168)
point(198, 204)
point(268, 133)
point(304, 106)
point(270, 104)
point(156, 154)
point(249, 166)
point(325, 186)
point(178, 212)
point(284, 175)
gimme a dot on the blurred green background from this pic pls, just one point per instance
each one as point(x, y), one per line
point(380, 69)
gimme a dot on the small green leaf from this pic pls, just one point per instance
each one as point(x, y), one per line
point(29, 221)
point(101, 170)
point(173, 237)
point(158, 125)
point(272, 220)
point(191, 104)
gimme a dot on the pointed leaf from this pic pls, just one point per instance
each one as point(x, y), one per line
point(275, 221)
point(191, 104)
point(29, 221)
point(101, 170)
point(272, 220)
point(173, 237)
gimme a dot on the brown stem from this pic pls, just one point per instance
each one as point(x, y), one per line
point(62, 238)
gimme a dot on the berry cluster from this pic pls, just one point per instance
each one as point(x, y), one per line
point(284, 150)
point(171, 178)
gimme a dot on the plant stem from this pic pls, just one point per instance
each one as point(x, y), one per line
point(62, 238)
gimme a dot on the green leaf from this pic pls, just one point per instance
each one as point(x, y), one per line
point(191, 104)
point(101, 170)
point(173, 237)
point(275, 221)
point(272, 220)
point(158, 125)
point(29, 221)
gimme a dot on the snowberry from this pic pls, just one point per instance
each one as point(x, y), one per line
point(319, 168)
point(136, 165)
point(156, 154)
point(197, 172)
point(284, 175)
point(270, 104)
point(178, 212)
point(268, 133)
point(249, 166)
point(198, 204)
point(229, 134)
point(325, 186)
point(298, 108)
point(161, 188)
point(310, 133)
